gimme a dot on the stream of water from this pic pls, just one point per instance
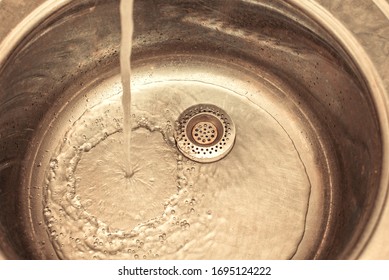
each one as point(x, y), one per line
point(153, 203)
point(127, 28)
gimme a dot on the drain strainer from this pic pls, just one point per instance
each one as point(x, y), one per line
point(205, 133)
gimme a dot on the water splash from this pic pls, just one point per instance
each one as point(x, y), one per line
point(173, 208)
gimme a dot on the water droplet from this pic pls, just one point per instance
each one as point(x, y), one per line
point(87, 147)
point(184, 225)
point(54, 163)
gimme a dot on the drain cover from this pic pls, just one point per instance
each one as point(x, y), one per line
point(205, 133)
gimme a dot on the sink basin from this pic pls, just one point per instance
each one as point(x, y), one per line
point(307, 176)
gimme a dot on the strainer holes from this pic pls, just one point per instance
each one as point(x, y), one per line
point(203, 132)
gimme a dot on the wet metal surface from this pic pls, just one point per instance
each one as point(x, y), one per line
point(205, 133)
point(312, 84)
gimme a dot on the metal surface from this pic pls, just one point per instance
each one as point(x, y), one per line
point(317, 70)
point(205, 133)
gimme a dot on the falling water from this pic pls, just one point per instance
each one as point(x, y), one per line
point(167, 206)
point(127, 26)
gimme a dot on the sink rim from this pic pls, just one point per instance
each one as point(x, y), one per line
point(333, 27)
point(380, 98)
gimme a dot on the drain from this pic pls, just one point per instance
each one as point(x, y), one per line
point(205, 133)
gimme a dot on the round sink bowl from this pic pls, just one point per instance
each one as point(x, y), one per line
point(306, 177)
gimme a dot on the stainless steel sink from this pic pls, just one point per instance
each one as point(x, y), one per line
point(305, 83)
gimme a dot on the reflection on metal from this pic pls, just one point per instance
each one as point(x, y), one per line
point(305, 75)
point(383, 5)
point(205, 133)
